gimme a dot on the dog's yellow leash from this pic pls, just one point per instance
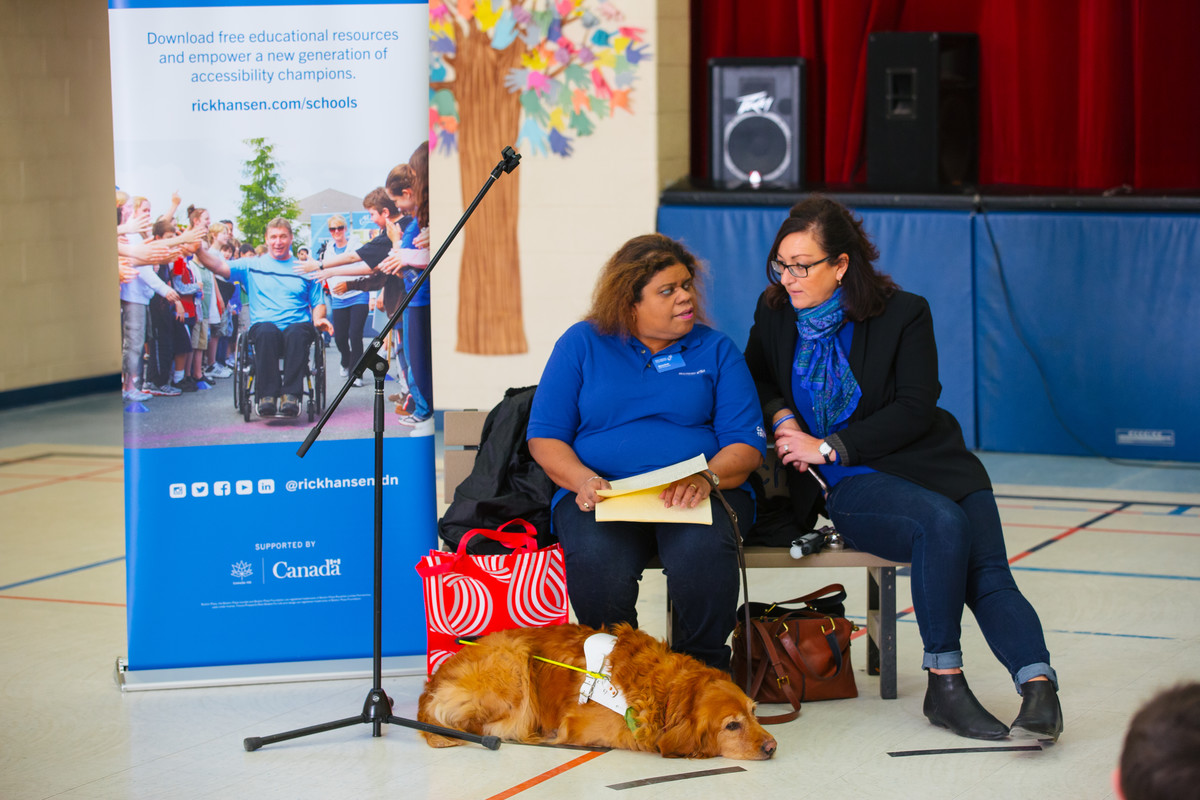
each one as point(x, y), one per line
point(630, 720)
point(595, 675)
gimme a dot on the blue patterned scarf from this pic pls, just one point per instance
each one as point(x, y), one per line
point(822, 366)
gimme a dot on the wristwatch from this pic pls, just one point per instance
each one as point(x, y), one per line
point(826, 452)
point(712, 477)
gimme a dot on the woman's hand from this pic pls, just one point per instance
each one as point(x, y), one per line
point(586, 497)
point(394, 232)
point(302, 267)
point(795, 448)
point(689, 491)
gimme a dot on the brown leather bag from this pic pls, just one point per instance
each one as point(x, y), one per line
point(795, 654)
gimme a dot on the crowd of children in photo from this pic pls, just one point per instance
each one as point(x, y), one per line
point(189, 292)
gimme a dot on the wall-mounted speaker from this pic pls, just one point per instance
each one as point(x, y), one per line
point(757, 120)
point(922, 111)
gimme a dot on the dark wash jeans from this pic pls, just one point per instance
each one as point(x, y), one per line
point(605, 561)
point(958, 558)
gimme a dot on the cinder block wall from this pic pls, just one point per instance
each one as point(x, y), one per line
point(59, 304)
point(674, 106)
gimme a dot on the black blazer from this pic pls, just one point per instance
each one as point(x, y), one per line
point(897, 427)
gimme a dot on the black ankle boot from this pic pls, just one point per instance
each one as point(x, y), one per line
point(950, 704)
point(1041, 714)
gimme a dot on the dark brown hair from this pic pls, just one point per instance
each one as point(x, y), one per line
point(865, 290)
point(1159, 755)
point(626, 274)
point(378, 200)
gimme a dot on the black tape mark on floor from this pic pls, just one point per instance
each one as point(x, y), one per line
point(680, 777)
point(956, 750)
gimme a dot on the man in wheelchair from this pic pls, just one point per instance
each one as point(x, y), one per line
point(286, 310)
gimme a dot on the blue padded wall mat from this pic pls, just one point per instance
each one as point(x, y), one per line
point(1093, 349)
point(926, 252)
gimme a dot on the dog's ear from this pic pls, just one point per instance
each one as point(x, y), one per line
point(684, 735)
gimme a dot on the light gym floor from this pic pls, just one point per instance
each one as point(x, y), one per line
point(1108, 553)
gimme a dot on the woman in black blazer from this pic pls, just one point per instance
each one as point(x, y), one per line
point(846, 369)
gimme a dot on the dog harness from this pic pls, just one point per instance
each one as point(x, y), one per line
point(596, 685)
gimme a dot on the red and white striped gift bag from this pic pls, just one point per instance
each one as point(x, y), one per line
point(470, 595)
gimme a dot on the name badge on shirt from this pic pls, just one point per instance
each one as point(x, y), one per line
point(668, 363)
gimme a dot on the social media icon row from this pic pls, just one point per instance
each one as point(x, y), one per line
point(220, 488)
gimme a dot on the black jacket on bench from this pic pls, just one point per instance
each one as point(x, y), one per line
point(505, 483)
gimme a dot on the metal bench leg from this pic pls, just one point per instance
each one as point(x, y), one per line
point(881, 628)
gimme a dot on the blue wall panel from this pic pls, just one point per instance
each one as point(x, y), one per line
point(926, 252)
point(1092, 350)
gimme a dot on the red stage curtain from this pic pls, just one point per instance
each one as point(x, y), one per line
point(1074, 94)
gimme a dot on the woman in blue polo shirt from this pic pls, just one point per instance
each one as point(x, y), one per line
point(638, 385)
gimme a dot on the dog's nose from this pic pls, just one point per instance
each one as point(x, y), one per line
point(768, 748)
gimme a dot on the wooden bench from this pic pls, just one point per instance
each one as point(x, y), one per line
point(462, 434)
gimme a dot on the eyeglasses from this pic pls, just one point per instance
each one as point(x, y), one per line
point(797, 270)
point(336, 228)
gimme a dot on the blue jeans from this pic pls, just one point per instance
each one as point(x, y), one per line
point(605, 561)
point(958, 558)
point(419, 369)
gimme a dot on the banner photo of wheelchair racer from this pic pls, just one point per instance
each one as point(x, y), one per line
point(230, 182)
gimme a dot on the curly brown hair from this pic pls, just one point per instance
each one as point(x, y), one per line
point(626, 274)
point(865, 290)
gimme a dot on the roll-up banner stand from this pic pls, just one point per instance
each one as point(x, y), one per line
point(246, 563)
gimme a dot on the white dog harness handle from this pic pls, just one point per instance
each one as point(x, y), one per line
point(596, 651)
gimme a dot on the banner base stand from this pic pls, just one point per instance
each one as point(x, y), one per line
point(140, 680)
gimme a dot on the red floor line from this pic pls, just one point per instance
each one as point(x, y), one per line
point(65, 479)
point(59, 600)
point(545, 776)
point(1056, 538)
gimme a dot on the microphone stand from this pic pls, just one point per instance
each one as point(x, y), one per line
point(377, 710)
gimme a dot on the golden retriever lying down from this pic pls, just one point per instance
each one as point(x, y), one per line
point(679, 707)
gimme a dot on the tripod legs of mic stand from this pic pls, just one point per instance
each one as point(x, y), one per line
point(377, 710)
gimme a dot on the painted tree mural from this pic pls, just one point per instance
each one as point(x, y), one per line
point(535, 73)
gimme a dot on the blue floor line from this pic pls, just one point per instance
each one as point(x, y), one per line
point(64, 572)
point(1117, 635)
point(1110, 574)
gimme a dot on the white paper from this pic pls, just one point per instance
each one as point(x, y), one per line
point(636, 499)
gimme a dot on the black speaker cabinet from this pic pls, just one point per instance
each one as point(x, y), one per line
point(757, 120)
point(922, 111)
